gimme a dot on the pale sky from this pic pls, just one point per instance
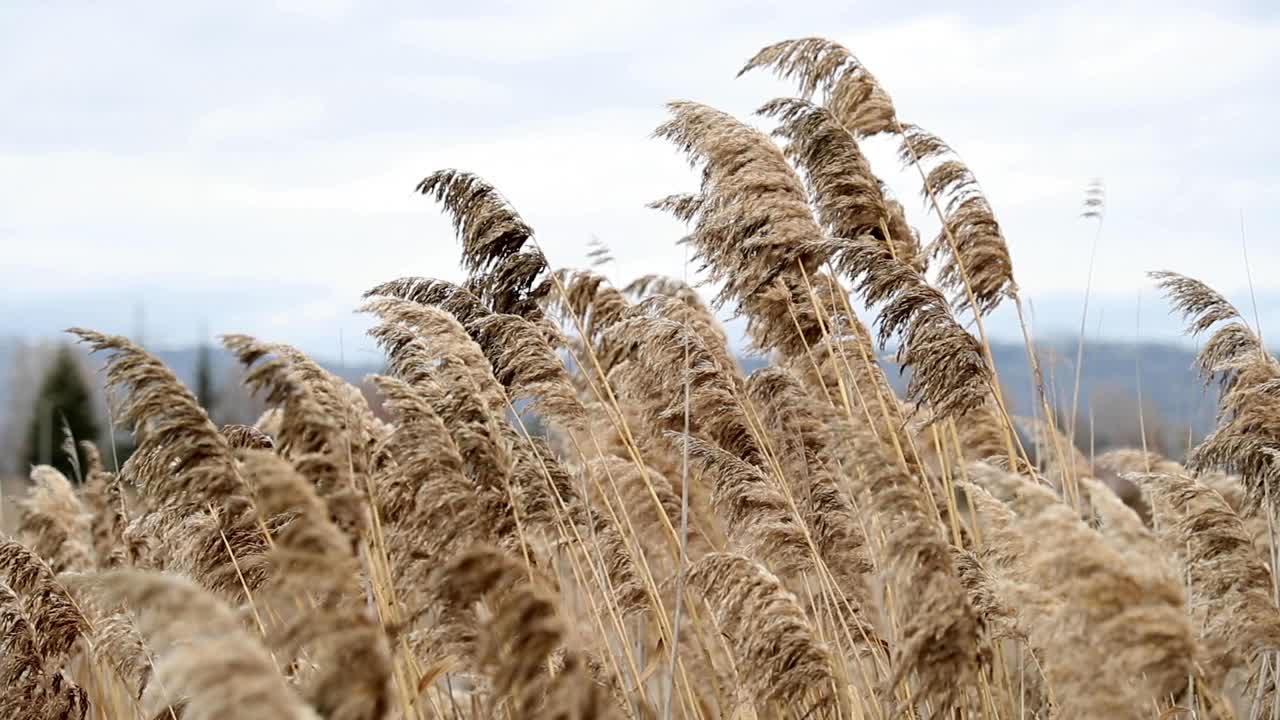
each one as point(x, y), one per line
point(250, 166)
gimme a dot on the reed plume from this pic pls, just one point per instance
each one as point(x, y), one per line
point(497, 245)
point(779, 657)
point(850, 200)
point(948, 367)
point(1113, 613)
point(113, 545)
point(753, 225)
point(56, 622)
point(938, 642)
point(757, 518)
point(204, 656)
point(590, 301)
point(1231, 589)
point(247, 436)
point(976, 256)
point(417, 338)
point(827, 69)
point(804, 446)
point(526, 630)
point(1247, 439)
point(54, 523)
point(31, 691)
point(516, 350)
point(184, 462)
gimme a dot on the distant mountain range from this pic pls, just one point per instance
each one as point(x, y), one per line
point(1114, 374)
point(1175, 403)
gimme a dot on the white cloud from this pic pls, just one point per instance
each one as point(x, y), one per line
point(299, 160)
point(316, 9)
point(269, 118)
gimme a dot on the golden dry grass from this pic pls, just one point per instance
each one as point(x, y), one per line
point(685, 541)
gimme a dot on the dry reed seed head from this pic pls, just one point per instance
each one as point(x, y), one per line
point(505, 265)
point(849, 199)
point(988, 598)
point(21, 658)
point(1230, 585)
point(599, 253)
point(39, 696)
point(980, 252)
point(453, 299)
point(448, 486)
point(982, 432)
point(754, 225)
point(312, 410)
point(821, 66)
point(204, 654)
point(190, 461)
point(1114, 612)
point(417, 337)
point(92, 459)
point(695, 318)
point(903, 232)
point(116, 643)
point(247, 436)
point(269, 421)
point(1229, 356)
point(1201, 306)
point(862, 105)
point(590, 301)
point(1094, 206)
point(487, 226)
point(449, 390)
point(224, 551)
point(1232, 347)
point(307, 424)
point(352, 660)
point(778, 653)
point(1113, 466)
point(659, 336)
point(423, 449)
point(309, 552)
point(1125, 531)
point(815, 63)
point(1248, 435)
point(653, 284)
point(65, 699)
point(344, 403)
point(802, 441)
point(104, 499)
point(576, 694)
point(54, 523)
point(684, 207)
point(948, 369)
point(528, 367)
point(757, 517)
point(56, 622)
point(548, 496)
point(939, 639)
point(526, 628)
point(646, 496)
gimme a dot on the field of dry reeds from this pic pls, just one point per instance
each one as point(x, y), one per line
point(681, 540)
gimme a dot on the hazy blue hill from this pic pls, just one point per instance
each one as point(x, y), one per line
point(183, 361)
point(1109, 382)
point(1172, 393)
point(1113, 373)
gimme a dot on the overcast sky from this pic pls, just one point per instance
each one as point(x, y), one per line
point(250, 166)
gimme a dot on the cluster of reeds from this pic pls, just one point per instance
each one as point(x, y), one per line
point(683, 540)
